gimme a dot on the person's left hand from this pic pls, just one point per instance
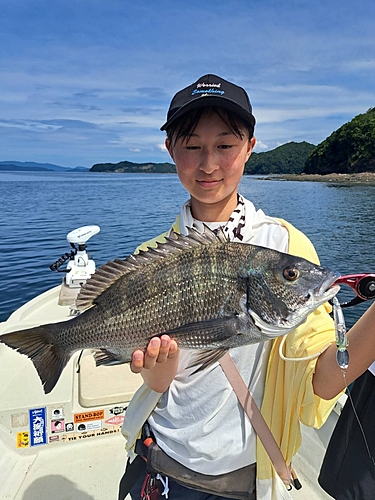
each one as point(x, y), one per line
point(159, 350)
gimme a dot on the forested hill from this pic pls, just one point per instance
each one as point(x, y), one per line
point(289, 158)
point(130, 167)
point(350, 149)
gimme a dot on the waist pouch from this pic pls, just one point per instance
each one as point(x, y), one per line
point(238, 484)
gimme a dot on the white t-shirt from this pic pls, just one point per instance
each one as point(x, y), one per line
point(198, 420)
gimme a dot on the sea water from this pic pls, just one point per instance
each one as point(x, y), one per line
point(38, 210)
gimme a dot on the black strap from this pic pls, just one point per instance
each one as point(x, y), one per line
point(137, 468)
point(133, 471)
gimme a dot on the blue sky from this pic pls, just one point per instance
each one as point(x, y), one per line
point(90, 81)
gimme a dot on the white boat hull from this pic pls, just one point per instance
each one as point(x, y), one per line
point(85, 458)
point(78, 463)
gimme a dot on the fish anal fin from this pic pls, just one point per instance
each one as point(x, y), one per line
point(105, 357)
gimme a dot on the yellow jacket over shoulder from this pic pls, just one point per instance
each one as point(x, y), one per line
point(288, 394)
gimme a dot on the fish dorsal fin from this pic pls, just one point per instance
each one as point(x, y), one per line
point(102, 279)
point(107, 274)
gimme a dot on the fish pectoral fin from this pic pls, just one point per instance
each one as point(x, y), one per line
point(206, 358)
point(212, 331)
point(105, 357)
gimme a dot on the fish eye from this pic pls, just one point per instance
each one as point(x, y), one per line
point(291, 273)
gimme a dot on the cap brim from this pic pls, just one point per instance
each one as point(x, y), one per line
point(212, 101)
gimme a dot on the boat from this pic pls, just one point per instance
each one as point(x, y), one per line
point(68, 443)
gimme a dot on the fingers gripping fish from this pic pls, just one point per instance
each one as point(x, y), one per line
point(202, 290)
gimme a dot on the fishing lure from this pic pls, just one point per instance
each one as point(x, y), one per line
point(342, 342)
point(364, 287)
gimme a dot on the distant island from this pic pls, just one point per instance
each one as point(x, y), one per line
point(289, 158)
point(127, 167)
point(349, 150)
point(32, 166)
point(9, 167)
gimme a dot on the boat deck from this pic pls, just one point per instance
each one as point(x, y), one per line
point(85, 459)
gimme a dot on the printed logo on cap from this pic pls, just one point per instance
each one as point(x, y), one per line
point(214, 89)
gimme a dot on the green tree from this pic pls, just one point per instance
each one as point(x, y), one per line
point(348, 150)
point(289, 158)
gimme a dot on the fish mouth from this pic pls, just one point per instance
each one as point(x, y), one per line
point(315, 298)
point(330, 293)
point(327, 289)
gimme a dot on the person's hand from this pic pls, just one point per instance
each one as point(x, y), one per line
point(159, 350)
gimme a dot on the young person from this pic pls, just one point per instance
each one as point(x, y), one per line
point(196, 418)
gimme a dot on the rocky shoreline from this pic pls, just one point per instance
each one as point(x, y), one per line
point(366, 178)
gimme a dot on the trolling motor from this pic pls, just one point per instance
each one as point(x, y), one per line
point(80, 265)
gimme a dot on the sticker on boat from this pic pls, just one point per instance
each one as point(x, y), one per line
point(88, 416)
point(23, 439)
point(38, 426)
point(116, 420)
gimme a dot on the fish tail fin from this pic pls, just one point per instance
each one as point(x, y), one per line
point(39, 344)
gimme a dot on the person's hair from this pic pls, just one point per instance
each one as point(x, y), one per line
point(184, 126)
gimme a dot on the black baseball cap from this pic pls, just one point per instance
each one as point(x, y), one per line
point(211, 90)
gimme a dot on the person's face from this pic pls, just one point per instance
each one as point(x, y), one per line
point(210, 165)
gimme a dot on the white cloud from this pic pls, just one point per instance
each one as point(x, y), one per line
point(161, 147)
point(359, 65)
point(306, 68)
point(260, 145)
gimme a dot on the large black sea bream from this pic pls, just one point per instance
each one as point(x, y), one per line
point(204, 291)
